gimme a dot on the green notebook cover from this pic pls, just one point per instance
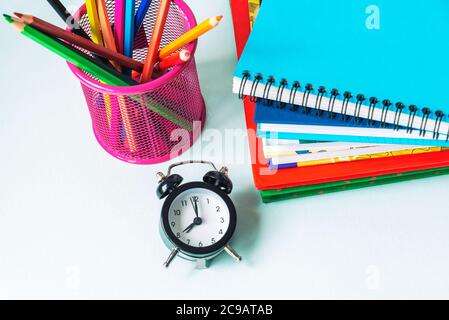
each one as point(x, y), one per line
point(326, 188)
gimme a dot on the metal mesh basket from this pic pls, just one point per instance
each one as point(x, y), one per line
point(155, 121)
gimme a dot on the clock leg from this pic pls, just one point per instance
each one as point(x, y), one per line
point(172, 256)
point(229, 250)
point(202, 264)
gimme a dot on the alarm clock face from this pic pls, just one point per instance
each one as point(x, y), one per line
point(198, 218)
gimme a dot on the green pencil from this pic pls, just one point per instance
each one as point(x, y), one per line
point(91, 67)
point(66, 53)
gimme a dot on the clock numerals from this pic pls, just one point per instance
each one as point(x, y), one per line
point(198, 218)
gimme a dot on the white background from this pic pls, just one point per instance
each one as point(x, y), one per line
point(77, 223)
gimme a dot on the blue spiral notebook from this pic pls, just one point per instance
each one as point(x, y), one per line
point(281, 123)
point(386, 61)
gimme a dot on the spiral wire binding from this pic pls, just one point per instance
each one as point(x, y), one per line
point(426, 112)
point(347, 98)
point(330, 109)
point(266, 91)
point(283, 85)
point(295, 87)
point(397, 115)
point(258, 79)
point(383, 119)
point(436, 130)
point(372, 106)
point(319, 100)
point(246, 76)
point(411, 119)
point(305, 98)
point(358, 107)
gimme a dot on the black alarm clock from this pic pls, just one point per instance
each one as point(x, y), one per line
point(198, 219)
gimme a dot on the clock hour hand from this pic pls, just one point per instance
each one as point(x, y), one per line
point(190, 227)
point(196, 222)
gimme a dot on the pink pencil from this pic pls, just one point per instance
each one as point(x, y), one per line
point(119, 23)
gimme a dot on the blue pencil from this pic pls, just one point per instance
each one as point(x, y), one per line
point(129, 26)
point(141, 13)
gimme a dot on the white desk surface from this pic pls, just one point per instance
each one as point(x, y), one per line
point(77, 223)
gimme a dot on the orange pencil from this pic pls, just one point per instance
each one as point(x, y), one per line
point(106, 29)
point(189, 36)
point(153, 48)
point(175, 59)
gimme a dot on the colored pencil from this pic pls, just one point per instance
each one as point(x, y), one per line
point(141, 13)
point(57, 32)
point(128, 44)
point(106, 29)
point(189, 36)
point(70, 21)
point(109, 42)
point(67, 53)
point(155, 41)
point(175, 59)
point(119, 17)
point(101, 64)
point(68, 18)
point(95, 29)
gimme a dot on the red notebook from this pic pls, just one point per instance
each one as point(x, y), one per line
point(242, 25)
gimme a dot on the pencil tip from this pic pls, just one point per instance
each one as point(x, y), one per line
point(8, 18)
point(219, 18)
point(17, 14)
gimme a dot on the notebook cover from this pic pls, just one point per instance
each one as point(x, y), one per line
point(301, 192)
point(265, 178)
point(386, 49)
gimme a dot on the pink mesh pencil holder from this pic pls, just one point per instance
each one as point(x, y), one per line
point(155, 121)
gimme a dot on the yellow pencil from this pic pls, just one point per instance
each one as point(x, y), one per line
point(189, 36)
point(92, 12)
point(97, 38)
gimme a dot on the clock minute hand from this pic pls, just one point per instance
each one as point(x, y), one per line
point(195, 206)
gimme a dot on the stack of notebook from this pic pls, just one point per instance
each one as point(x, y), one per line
point(343, 97)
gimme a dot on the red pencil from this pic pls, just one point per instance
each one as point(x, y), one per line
point(174, 60)
point(155, 42)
